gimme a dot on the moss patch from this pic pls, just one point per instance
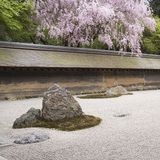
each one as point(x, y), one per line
point(14, 98)
point(94, 96)
point(72, 124)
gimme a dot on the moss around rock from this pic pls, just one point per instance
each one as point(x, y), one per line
point(71, 124)
point(110, 93)
point(60, 110)
point(93, 96)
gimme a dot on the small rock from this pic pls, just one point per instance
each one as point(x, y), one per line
point(58, 104)
point(32, 138)
point(115, 91)
point(27, 119)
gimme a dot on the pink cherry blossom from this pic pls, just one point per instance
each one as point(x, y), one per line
point(117, 23)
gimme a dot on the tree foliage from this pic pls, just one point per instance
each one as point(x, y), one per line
point(104, 24)
point(9, 11)
point(155, 4)
point(151, 40)
point(119, 24)
point(15, 21)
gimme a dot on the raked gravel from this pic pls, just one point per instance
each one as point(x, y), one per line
point(132, 137)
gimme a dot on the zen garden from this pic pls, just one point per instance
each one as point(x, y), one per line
point(79, 79)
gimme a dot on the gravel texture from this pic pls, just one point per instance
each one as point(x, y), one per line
point(1, 158)
point(132, 137)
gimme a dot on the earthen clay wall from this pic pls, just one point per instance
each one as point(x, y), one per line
point(25, 82)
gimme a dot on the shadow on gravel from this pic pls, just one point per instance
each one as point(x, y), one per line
point(121, 115)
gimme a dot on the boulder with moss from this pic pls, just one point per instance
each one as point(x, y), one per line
point(59, 110)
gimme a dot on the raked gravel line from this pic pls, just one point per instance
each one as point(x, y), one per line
point(134, 137)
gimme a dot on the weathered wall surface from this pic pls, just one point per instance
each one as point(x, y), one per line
point(27, 70)
point(24, 82)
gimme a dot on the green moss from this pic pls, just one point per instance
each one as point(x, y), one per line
point(3, 55)
point(72, 124)
point(84, 92)
point(15, 98)
point(94, 96)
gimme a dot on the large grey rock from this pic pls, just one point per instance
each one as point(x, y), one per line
point(115, 91)
point(31, 138)
point(58, 104)
point(27, 119)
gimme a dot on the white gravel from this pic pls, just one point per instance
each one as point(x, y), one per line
point(134, 137)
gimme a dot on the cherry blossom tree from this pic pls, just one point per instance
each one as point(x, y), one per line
point(117, 23)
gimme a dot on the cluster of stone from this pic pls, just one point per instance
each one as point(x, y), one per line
point(58, 104)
